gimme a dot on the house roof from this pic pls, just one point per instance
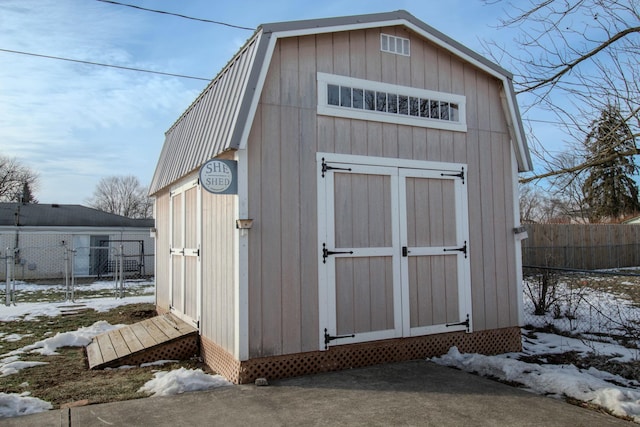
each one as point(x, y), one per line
point(52, 215)
point(220, 118)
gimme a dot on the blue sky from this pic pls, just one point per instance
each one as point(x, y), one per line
point(75, 124)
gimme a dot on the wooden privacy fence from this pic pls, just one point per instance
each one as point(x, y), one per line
point(582, 246)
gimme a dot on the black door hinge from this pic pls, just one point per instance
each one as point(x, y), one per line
point(328, 338)
point(465, 323)
point(462, 249)
point(457, 175)
point(326, 252)
point(326, 167)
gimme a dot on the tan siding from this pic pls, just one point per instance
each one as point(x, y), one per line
point(283, 142)
point(308, 203)
point(291, 231)
point(271, 231)
point(217, 261)
point(162, 258)
point(255, 245)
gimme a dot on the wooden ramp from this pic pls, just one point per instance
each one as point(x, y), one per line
point(160, 338)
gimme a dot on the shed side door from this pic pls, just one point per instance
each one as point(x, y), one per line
point(185, 252)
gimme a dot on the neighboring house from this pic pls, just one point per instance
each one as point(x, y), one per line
point(37, 236)
point(376, 216)
point(634, 220)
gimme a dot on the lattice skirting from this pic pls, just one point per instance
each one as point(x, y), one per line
point(357, 355)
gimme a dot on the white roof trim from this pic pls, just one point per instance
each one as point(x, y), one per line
point(262, 76)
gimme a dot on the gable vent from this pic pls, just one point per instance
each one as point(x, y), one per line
point(393, 44)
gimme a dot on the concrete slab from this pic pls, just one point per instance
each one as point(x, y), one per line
point(409, 393)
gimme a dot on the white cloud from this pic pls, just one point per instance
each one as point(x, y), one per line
point(69, 121)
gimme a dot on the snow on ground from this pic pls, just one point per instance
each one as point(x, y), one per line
point(181, 380)
point(29, 311)
point(590, 385)
point(10, 363)
point(617, 394)
point(13, 405)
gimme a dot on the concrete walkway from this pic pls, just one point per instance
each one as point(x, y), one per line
point(416, 393)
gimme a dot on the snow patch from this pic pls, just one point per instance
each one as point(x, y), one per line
point(13, 405)
point(80, 338)
point(167, 383)
point(556, 380)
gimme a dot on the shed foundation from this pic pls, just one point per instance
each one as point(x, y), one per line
point(488, 342)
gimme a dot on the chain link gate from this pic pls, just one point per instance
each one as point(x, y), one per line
point(70, 266)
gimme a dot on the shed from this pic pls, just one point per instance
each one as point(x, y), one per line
point(37, 235)
point(376, 213)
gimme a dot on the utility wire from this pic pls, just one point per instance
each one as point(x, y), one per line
point(176, 14)
point(103, 65)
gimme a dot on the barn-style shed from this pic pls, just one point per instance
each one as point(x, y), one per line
point(375, 217)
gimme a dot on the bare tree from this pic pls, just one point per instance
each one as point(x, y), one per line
point(541, 206)
point(122, 195)
point(14, 178)
point(574, 58)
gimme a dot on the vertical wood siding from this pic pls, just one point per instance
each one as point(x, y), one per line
point(286, 134)
point(218, 228)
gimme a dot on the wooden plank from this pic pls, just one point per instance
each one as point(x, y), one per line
point(119, 343)
point(93, 354)
point(290, 215)
point(143, 335)
point(154, 331)
point(106, 348)
point(505, 297)
point(341, 53)
point(255, 246)
point(166, 327)
point(131, 339)
point(357, 54)
point(271, 233)
point(344, 296)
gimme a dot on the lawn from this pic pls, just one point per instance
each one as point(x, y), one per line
point(65, 378)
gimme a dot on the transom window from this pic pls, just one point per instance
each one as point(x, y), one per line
point(393, 44)
point(368, 100)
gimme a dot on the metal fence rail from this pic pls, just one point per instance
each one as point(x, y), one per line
point(70, 266)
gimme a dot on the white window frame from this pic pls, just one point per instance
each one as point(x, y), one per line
point(324, 80)
point(387, 40)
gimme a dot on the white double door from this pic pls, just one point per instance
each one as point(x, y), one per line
point(184, 267)
point(394, 253)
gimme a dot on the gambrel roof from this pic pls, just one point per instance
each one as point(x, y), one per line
point(220, 118)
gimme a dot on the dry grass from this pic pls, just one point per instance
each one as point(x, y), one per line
point(66, 377)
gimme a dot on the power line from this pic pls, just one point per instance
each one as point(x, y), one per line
point(176, 14)
point(104, 65)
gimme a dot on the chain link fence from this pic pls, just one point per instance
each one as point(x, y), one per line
point(75, 266)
